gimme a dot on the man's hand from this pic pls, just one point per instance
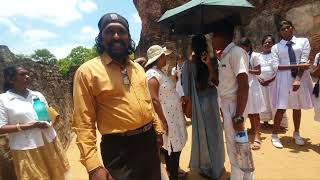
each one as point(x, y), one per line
point(296, 85)
point(100, 173)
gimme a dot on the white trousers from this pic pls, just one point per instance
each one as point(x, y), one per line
point(229, 110)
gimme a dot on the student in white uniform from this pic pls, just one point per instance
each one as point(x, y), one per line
point(293, 85)
point(266, 80)
point(176, 74)
point(315, 70)
point(233, 90)
point(255, 103)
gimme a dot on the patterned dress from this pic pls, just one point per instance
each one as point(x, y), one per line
point(172, 109)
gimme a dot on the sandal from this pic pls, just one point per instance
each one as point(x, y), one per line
point(256, 145)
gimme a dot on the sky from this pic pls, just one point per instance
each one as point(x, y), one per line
point(58, 25)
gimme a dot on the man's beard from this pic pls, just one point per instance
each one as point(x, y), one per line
point(117, 56)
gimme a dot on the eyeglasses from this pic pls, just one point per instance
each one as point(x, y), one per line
point(125, 76)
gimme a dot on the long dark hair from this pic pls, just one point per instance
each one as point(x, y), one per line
point(101, 49)
point(199, 46)
point(9, 73)
point(247, 43)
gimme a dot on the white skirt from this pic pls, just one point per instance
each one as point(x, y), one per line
point(284, 97)
point(256, 103)
point(270, 112)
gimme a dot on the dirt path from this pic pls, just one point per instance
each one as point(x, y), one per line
point(292, 162)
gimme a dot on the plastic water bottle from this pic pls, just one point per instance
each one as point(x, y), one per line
point(244, 155)
point(41, 110)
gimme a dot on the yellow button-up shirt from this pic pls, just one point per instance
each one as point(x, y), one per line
point(102, 97)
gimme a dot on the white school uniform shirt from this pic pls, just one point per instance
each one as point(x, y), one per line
point(17, 109)
point(283, 96)
point(234, 60)
point(269, 66)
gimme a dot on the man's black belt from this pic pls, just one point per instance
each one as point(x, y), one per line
point(140, 130)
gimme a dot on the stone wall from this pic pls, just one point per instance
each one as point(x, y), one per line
point(304, 14)
point(57, 90)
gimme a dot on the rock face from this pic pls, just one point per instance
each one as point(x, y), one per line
point(304, 14)
point(57, 90)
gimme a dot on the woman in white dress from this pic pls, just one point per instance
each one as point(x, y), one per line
point(167, 105)
point(266, 80)
point(293, 85)
point(255, 103)
point(315, 70)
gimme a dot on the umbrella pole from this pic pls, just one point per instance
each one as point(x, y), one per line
point(201, 20)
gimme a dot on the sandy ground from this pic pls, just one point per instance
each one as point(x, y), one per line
point(293, 162)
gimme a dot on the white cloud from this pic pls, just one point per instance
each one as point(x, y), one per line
point(88, 32)
point(62, 51)
point(136, 18)
point(35, 35)
point(9, 24)
point(57, 12)
point(87, 6)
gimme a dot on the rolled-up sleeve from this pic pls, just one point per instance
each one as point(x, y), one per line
point(84, 119)
point(239, 62)
point(3, 114)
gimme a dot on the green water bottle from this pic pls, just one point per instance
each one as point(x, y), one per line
point(41, 110)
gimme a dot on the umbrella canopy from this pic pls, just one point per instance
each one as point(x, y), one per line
point(197, 16)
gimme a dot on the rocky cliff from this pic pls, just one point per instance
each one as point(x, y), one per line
point(304, 14)
point(57, 90)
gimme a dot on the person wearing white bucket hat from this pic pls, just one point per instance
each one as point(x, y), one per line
point(167, 105)
point(155, 52)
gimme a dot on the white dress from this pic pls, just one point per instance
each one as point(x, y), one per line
point(283, 96)
point(255, 103)
point(176, 71)
point(269, 71)
point(316, 100)
point(172, 109)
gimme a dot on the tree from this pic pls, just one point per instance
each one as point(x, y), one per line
point(77, 56)
point(44, 55)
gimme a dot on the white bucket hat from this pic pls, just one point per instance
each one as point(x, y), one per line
point(154, 52)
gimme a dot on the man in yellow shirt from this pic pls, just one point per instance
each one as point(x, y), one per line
point(111, 91)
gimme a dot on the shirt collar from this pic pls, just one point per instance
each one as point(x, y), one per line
point(227, 49)
point(11, 95)
point(284, 42)
point(106, 59)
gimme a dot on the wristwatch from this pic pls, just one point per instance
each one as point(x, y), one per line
point(238, 119)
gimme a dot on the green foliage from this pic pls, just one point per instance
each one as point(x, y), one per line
point(77, 56)
point(44, 55)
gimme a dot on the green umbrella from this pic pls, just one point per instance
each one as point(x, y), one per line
point(198, 16)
